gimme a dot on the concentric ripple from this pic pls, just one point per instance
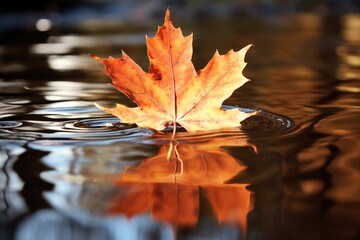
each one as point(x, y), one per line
point(98, 125)
point(99, 129)
point(262, 122)
point(266, 122)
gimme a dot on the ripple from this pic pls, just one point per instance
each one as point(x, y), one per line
point(10, 124)
point(95, 129)
point(260, 123)
point(267, 122)
point(254, 126)
point(66, 112)
point(98, 125)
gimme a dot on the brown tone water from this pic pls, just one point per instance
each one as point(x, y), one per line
point(69, 171)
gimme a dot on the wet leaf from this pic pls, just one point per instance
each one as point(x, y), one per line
point(172, 92)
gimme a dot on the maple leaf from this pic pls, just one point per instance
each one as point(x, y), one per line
point(172, 92)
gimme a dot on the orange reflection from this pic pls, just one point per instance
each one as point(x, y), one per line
point(173, 184)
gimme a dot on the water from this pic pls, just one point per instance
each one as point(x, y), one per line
point(70, 171)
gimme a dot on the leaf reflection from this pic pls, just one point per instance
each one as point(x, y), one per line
point(185, 174)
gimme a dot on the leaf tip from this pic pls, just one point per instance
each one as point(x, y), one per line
point(167, 15)
point(242, 52)
point(123, 54)
point(94, 57)
point(249, 46)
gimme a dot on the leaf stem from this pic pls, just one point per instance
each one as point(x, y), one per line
point(174, 132)
point(171, 142)
point(178, 157)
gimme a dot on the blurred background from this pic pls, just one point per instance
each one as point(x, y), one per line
point(67, 14)
point(72, 14)
point(57, 34)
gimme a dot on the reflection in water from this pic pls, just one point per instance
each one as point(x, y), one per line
point(175, 177)
point(180, 204)
point(11, 203)
point(173, 184)
point(324, 188)
point(343, 168)
point(57, 225)
point(183, 186)
point(190, 161)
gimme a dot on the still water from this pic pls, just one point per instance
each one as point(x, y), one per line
point(70, 171)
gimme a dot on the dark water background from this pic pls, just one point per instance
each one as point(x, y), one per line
point(61, 158)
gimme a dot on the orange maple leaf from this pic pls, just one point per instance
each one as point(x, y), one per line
point(172, 92)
